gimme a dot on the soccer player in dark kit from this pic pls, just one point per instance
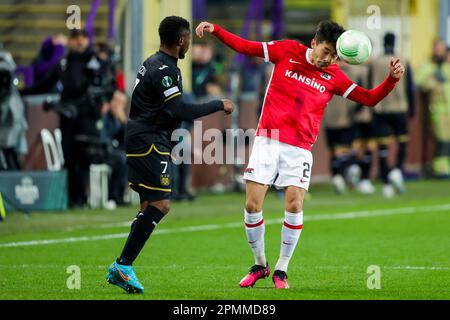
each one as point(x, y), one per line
point(157, 109)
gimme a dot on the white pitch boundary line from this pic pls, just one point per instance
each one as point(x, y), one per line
point(418, 268)
point(332, 216)
point(335, 216)
point(228, 267)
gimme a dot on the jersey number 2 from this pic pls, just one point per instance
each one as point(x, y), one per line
point(307, 167)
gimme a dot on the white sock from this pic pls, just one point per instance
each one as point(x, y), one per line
point(254, 228)
point(290, 233)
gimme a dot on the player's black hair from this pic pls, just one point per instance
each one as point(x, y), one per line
point(328, 31)
point(172, 28)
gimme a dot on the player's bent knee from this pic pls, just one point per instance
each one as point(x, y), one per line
point(252, 206)
point(163, 206)
point(294, 206)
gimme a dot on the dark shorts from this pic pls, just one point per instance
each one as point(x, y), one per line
point(364, 131)
point(150, 173)
point(340, 138)
point(391, 124)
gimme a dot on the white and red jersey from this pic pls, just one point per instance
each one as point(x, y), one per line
point(298, 92)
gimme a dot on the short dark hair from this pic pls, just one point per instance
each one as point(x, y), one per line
point(103, 47)
point(75, 33)
point(328, 31)
point(389, 39)
point(171, 29)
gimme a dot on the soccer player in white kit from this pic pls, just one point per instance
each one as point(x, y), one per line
point(303, 81)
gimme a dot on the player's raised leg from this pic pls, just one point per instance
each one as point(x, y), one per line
point(290, 233)
point(254, 229)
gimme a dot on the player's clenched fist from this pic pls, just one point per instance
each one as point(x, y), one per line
point(396, 69)
point(228, 106)
point(204, 27)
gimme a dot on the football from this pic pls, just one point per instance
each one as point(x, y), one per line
point(354, 47)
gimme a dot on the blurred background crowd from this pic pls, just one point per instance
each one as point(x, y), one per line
point(78, 83)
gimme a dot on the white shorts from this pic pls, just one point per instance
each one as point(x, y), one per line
point(279, 164)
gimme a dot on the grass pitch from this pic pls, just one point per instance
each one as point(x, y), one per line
point(200, 251)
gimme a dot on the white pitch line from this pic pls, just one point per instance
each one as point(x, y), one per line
point(63, 240)
point(418, 268)
point(335, 216)
point(227, 267)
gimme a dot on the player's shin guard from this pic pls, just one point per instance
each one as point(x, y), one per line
point(254, 229)
point(290, 233)
point(141, 228)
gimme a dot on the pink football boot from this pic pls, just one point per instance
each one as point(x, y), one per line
point(256, 272)
point(280, 279)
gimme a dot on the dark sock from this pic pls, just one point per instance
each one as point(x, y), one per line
point(446, 149)
point(123, 261)
point(383, 160)
point(365, 164)
point(401, 154)
point(335, 163)
point(344, 163)
point(141, 229)
point(352, 159)
point(338, 165)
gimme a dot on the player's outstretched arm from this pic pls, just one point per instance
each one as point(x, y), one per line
point(238, 44)
point(177, 108)
point(372, 97)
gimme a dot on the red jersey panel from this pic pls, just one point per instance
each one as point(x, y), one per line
point(297, 94)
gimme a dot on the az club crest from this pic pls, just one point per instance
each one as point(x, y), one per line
point(326, 76)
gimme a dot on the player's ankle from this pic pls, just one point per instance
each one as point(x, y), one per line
point(124, 261)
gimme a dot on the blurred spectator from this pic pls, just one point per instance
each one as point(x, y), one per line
point(51, 52)
point(434, 78)
point(204, 81)
point(254, 79)
point(364, 133)
point(107, 71)
point(251, 73)
point(13, 124)
point(113, 133)
point(114, 122)
point(391, 118)
point(338, 120)
point(84, 91)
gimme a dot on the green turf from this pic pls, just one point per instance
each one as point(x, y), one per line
point(411, 248)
